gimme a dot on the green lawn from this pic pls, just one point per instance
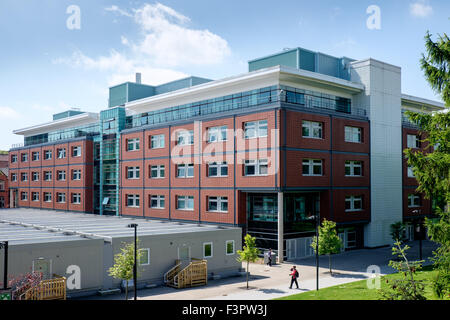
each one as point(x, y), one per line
point(358, 290)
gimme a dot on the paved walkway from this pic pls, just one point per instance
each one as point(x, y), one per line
point(273, 282)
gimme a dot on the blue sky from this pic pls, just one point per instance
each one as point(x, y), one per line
point(46, 67)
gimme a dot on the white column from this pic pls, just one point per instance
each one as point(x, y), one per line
point(280, 226)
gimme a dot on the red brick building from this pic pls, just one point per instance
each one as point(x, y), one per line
point(4, 188)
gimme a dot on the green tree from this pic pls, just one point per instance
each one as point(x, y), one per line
point(432, 168)
point(249, 253)
point(406, 288)
point(397, 230)
point(123, 264)
point(329, 241)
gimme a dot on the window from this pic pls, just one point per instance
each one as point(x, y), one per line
point(2, 185)
point(24, 157)
point(312, 167)
point(229, 245)
point(217, 134)
point(13, 177)
point(24, 196)
point(47, 196)
point(185, 171)
point(207, 250)
point(133, 172)
point(413, 141)
point(35, 176)
point(353, 203)
point(157, 172)
point(47, 175)
point(133, 200)
point(185, 202)
point(24, 176)
point(60, 197)
point(14, 158)
point(76, 198)
point(218, 204)
point(35, 156)
point(353, 168)
point(311, 129)
point(61, 153)
point(185, 137)
point(76, 151)
point(255, 129)
point(133, 144)
point(217, 169)
point(76, 174)
point(157, 141)
point(353, 134)
point(413, 200)
point(255, 167)
point(144, 257)
point(411, 172)
point(61, 175)
point(35, 196)
point(47, 154)
point(157, 202)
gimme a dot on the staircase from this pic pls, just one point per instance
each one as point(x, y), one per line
point(194, 274)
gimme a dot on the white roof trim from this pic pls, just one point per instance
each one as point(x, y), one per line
point(424, 102)
point(64, 123)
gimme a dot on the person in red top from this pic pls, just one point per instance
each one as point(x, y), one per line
point(294, 275)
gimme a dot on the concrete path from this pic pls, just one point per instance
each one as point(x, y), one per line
point(273, 282)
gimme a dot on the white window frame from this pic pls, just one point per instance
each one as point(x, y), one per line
point(14, 158)
point(133, 173)
point(157, 141)
point(48, 175)
point(61, 197)
point(218, 166)
point(219, 201)
point(24, 157)
point(411, 198)
point(148, 256)
point(135, 199)
point(186, 200)
point(47, 154)
point(226, 248)
point(212, 250)
point(158, 169)
point(352, 164)
point(311, 163)
point(35, 196)
point(258, 163)
point(217, 134)
point(24, 176)
point(352, 200)
point(159, 199)
point(351, 133)
point(76, 198)
point(133, 144)
point(34, 176)
point(76, 174)
point(46, 198)
point(410, 172)
point(33, 154)
point(184, 168)
point(185, 137)
point(76, 151)
point(61, 153)
point(258, 128)
point(61, 175)
point(412, 141)
point(24, 196)
point(312, 126)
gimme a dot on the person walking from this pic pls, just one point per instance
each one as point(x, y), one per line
point(269, 258)
point(294, 275)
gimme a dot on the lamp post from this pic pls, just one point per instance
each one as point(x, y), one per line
point(317, 218)
point(134, 225)
point(4, 245)
point(419, 230)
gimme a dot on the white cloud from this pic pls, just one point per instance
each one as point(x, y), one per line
point(421, 9)
point(7, 113)
point(121, 12)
